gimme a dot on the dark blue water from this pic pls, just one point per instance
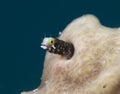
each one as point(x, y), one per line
point(22, 58)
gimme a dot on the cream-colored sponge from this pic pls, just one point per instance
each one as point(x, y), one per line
point(94, 67)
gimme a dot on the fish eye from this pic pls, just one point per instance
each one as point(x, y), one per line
point(51, 41)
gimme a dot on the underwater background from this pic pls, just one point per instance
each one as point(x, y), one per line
point(22, 59)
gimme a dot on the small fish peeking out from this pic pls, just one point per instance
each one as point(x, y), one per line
point(91, 67)
point(57, 46)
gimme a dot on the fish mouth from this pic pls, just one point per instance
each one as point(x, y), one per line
point(43, 46)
